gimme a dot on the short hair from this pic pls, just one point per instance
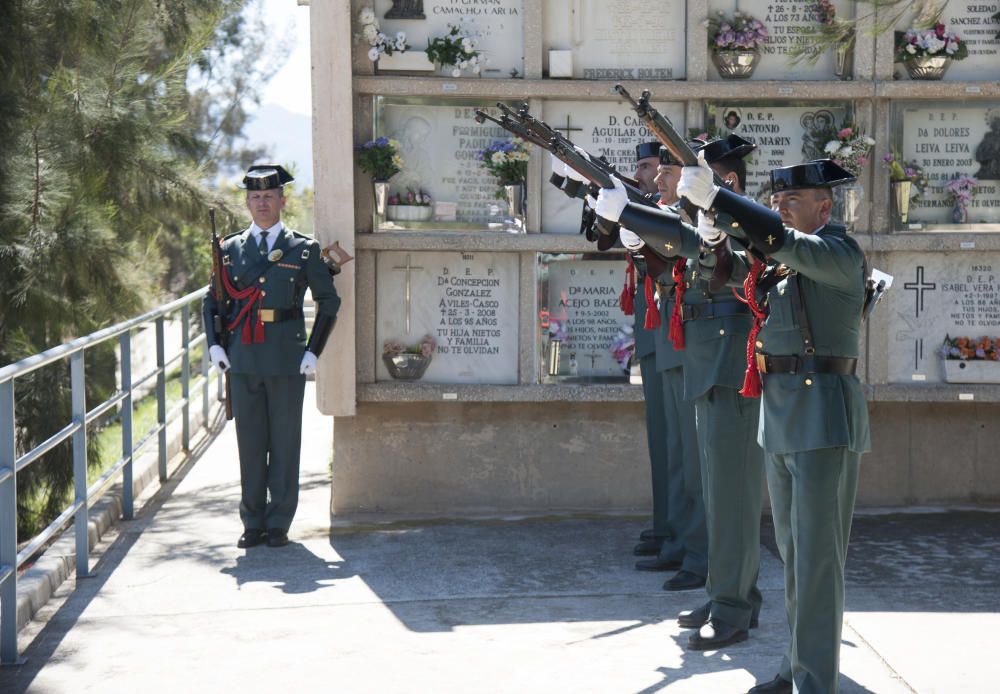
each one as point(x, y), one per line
point(734, 165)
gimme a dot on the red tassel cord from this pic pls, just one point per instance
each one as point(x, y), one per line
point(676, 324)
point(627, 301)
point(250, 333)
point(652, 313)
point(752, 386)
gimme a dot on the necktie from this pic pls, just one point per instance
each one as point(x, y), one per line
point(263, 243)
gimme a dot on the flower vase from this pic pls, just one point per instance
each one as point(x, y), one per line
point(735, 63)
point(850, 197)
point(844, 61)
point(927, 67)
point(960, 214)
point(406, 366)
point(381, 197)
point(514, 195)
point(901, 191)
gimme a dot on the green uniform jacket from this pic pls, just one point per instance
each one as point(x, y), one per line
point(284, 282)
point(801, 412)
point(644, 339)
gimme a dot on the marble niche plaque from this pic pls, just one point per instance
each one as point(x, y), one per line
point(618, 40)
point(497, 25)
point(784, 135)
point(439, 145)
point(580, 311)
point(934, 295)
point(948, 142)
point(608, 128)
point(973, 21)
point(466, 301)
point(786, 21)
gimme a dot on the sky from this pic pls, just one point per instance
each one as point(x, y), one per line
point(291, 87)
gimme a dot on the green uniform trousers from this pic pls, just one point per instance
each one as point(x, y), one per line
point(667, 504)
point(732, 474)
point(812, 502)
point(684, 471)
point(268, 414)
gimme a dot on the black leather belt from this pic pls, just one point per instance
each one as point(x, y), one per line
point(278, 315)
point(806, 363)
point(711, 310)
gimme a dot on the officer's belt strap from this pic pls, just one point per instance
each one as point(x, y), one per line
point(806, 363)
point(278, 315)
point(801, 317)
point(713, 310)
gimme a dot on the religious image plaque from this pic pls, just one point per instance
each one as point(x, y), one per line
point(949, 143)
point(603, 128)
point(583, 334)
point(935, 295)
point(784, 135)
point(618, 39)
point(465, 302)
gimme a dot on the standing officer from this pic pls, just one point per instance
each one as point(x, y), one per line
point(266, 271)
point(814, 418)
point(682, 469)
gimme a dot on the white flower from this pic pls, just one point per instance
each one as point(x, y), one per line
point(373, 54)
point(370, 32)
point(400, 37)
point(935, 45)
point(474, 60)
point(497, 158)
point(845, 152)
point(831, 147)
point(456, 73)
point(367, 16)
point(466, 44)
point(870, 141)
point(400, 45)
point(381, 39)
point(476, 69)
point(464, 64)
point(911, 49)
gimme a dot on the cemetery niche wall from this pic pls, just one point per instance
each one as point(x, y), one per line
point(524, 390)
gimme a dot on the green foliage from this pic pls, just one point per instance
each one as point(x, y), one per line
point(113, 115)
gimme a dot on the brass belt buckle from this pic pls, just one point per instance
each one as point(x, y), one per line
point(761, 362)
point(267, 315)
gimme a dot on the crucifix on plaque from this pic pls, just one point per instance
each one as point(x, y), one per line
point(406, 293)
point(568, 128)
point(593, 358)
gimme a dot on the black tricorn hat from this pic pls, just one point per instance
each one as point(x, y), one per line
point(732, 147)
point(647, 149)
point(606, 241)
point(266, 177)
point(819, 173)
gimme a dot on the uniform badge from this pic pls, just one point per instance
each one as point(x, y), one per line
point(305, 254)
point(226, 260)
point(275, 255)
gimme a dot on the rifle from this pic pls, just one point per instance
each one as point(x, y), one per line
point(221, 307)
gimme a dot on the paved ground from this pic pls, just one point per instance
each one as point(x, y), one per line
point(505, 605)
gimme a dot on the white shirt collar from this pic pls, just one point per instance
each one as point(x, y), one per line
point(272, 233)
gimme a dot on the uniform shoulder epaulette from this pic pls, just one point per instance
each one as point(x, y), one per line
point(300, 235)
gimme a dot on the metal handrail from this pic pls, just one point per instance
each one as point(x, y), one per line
point(76, 430)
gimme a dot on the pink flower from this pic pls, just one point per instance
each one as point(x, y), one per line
point(845, 133)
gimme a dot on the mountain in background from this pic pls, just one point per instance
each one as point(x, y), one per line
point(288, 137)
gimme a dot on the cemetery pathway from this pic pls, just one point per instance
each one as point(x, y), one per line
point(500, 605)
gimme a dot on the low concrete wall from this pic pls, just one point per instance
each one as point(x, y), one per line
point(454, 459)
point(446, 459)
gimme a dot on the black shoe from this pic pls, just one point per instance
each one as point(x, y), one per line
point(684, 580)
point(276, 537)
point(693, 619)
point(715, 634)
point(251, 537)
point(775, 686)
point(647, 534)
point(648, 548)
point(658, 564)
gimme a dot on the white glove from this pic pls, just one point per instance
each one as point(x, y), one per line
point(308, 365)
point(630, 239)
point(709, 233)
point(697, 184)
point(571, 173)
point(611, 201)
point(218, 357)
point(591, 201)
point(582, 152)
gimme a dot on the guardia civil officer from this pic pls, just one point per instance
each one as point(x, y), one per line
point(807, 289)
point(266, 271)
